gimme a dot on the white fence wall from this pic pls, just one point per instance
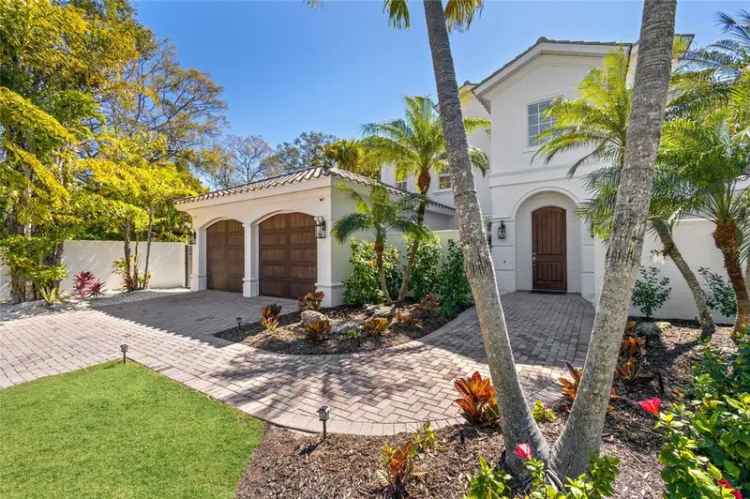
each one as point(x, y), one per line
point(166, 264)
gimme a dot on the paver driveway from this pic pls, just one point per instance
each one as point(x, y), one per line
point(380, 392)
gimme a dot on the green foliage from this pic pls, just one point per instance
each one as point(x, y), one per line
point(425, 275)
point(720, 295)
point(361, 287)
point(650, 292)
point(542, 414)
point(453, 286)
point(50, 295)
point(424, 439)
point(25, 257)
point(597, 483)
point(708, 438)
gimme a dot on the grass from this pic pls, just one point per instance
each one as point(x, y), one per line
point(120, 431)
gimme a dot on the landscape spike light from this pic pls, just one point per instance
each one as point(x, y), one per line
point(124, 350)
point(324, 414)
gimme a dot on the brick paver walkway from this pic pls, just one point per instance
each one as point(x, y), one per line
point(381, 392)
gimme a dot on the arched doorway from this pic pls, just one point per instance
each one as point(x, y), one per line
point(225, 255)
point(288, 260)
point(549, 249)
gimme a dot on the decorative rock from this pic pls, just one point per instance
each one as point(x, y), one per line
point(343, 326)
point(309, 316)
point(652, 329)
point(379, 310)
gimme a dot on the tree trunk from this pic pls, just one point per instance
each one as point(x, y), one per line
point(515, 418)
point(126, 251)
point(670, 249)
point(379, 263)
point(414, 246)
point(581, 437)
point(149, 236)
point(725, 237)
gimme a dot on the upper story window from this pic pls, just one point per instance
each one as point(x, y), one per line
point(444, 181)
point(538, 122)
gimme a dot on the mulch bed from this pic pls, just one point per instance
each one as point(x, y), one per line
point(291, 464)
point(290, 336)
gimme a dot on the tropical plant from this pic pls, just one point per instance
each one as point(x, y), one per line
point(415, 146)
point(488, 482)
point(543, 414)
point(269, 316)
point(711, 158)
point(375, 326)
point(318, 330)
point(720, 295)
point(362, 285)
point(429, 304)
point(311, 300)
point(650, 293)
point(425, 439)
point(631, 358)
point(397, 465)
point(426, 271)
point(379, 214)
point(85, 284)
point(354, 156)
point(478, 402)
point(50, 295)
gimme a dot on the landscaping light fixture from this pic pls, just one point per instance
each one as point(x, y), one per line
point(320, 226)
point(501, 230)
point(239, 323)
point(124, 350)
point(324, 414)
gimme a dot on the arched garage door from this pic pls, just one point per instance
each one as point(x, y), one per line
point(288, 255)
point(225, 255)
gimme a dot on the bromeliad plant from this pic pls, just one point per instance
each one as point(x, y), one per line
point(270, 317)
point(632, 352)
point(85, 284)
point(318, 330)
point(478, 401)
point(311, 300)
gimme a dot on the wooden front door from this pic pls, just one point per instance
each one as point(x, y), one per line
point(225, 255)
point(548, 258)
point(288, 255)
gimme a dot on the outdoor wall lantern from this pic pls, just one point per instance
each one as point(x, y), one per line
point(324, 414)
point(320, 226)
point(124, 350)
point(501, 230)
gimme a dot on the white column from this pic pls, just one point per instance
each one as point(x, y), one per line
point(250, 285)
point(198, 279)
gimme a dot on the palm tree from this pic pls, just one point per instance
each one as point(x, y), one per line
point(598, 120)
point(415, 146)
point(352, 155)
point(379, 215)
point(706, 152)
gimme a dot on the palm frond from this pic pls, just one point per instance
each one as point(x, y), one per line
point(460, 13)
point(398, 13)
point(351, 223)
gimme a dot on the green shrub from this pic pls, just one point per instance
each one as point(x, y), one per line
point(720, 296)
point(706, 449)
point(425, 274)
point(650, 292)
point(24, 256)
point(453, 286)
point(362, 285)
point(542, 414)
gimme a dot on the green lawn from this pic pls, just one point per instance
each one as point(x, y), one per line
point(119, 431)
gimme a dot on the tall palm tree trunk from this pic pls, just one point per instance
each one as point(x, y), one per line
point(672, 251)
point(581, 436)
point(413, 250)
point(725, 237)
point(515, 418)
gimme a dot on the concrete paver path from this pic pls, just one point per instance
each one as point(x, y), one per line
point(380, 392)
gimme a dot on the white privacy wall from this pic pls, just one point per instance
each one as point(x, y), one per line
point(694, 239)
point(166, 264)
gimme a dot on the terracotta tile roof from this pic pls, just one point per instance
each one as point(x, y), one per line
point(299, 177)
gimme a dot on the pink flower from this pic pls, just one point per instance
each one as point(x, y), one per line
point(726, 485)
point(651, 406)
point(523, 451)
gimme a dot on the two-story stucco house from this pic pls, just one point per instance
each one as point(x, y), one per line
point(270, 237)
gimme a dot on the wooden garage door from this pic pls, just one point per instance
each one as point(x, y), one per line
point(225, 255)
point(288, 255)
point(549, 249)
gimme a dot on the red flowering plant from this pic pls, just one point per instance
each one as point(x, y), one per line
point(86, 284)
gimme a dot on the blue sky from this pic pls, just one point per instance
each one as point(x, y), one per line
point(287, 68)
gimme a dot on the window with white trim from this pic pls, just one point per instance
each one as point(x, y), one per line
point(537, 121)
point(444, 181)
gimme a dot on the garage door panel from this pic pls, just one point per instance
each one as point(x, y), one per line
point(225, 258)
point(288, 255)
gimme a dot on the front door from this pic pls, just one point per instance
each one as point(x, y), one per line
point(548, 258)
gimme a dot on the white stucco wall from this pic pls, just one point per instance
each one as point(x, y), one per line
point(166, 264)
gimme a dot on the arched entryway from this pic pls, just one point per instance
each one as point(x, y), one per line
point(225, 255)
point(549, 249)
point(288, 260)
